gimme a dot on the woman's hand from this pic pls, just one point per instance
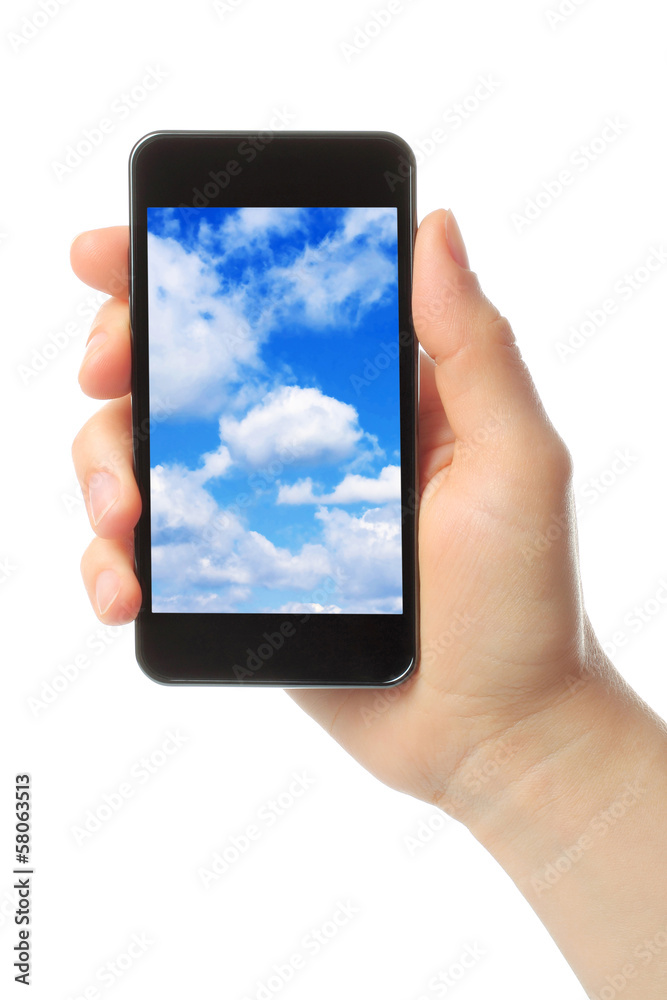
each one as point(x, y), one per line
point(515, 722)
point(502, 621)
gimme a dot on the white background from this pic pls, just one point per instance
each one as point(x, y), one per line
point(344, 839)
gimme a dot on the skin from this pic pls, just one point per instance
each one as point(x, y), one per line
point(515, 723)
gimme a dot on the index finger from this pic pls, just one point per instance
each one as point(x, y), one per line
point(99, 257)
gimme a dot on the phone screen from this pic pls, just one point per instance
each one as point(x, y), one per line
point(275, 465)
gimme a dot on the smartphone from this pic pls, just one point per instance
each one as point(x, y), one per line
point(274, 404)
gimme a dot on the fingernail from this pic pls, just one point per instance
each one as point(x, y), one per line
point(107, 589)
point(76, 238)
point(93, 345)
point(103, 491)
point(457, 247)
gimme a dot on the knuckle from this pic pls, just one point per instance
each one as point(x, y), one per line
point(87, 559)
point(500, 329)
point(560, 459)
point(78, 445)
point(555, 460)
point(113, 310)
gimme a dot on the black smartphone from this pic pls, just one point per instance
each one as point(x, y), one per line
point(274, 407)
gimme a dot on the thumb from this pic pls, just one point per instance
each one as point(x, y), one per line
point(480, 375)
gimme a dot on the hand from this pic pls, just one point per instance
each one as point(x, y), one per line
point(504, 635)
point(502, 621)
point(515, 721)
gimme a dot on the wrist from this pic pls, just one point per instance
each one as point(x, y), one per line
point(592, 735)
point(577, 817)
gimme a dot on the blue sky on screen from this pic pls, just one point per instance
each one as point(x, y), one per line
point(275, 459)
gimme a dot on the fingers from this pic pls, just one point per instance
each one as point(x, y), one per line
point(480, 376)
point(107, 362)
point(436, 440)
point(102, 450)
point(107, 568)
point(102, 455)
point(99, 257)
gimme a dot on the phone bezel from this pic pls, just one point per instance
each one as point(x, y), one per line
point(290, 168)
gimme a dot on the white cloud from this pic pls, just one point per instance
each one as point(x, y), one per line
point(293, 425)
point(207, 331)
point(209, 602)
point(335, 282)
point(200, 548)
point(365, 553)
point(353, 489)
point(236, 567)
point(207, 555)
point(190, 530)
point(295, 608)
point(215, 464)
point(331, 284)
point(178, 500)
point(378, 224)
point(206, 360)
point(299, 492)
point(258, 562)
point(178, 584)
point(253, 226)
point(200, 341)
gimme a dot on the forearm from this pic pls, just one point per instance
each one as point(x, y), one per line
point(575, 811)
